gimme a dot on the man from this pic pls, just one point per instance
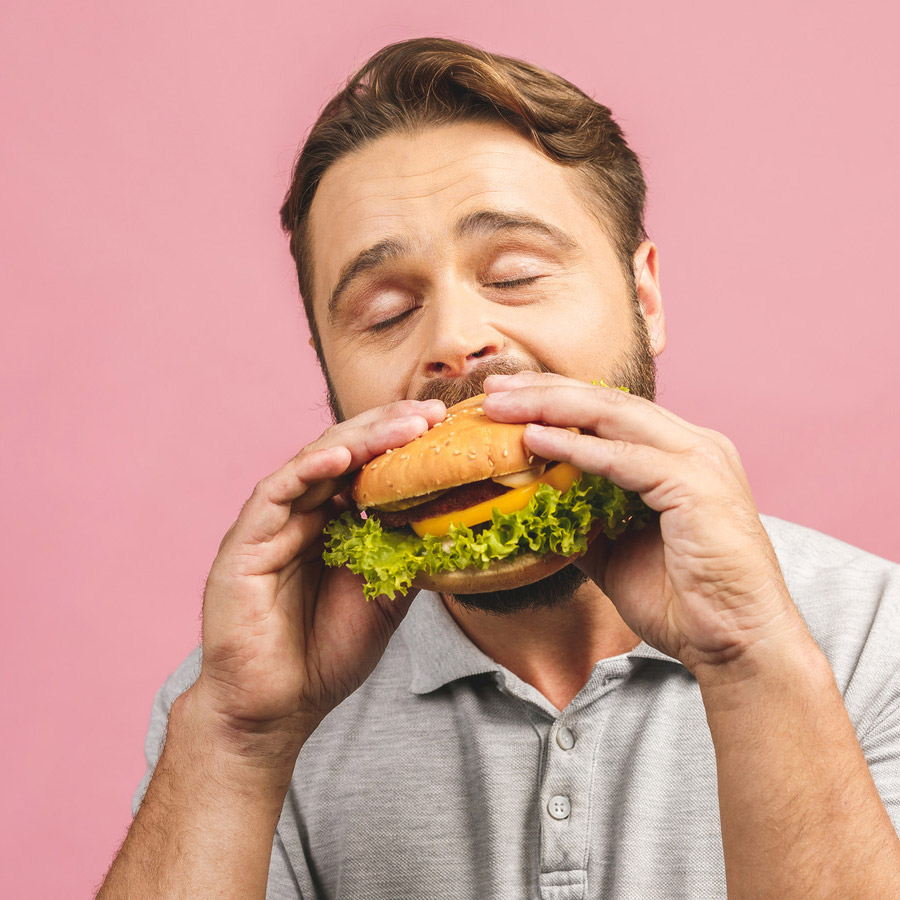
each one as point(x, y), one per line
point(659, 722)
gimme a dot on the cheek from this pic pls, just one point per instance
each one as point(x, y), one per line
point(363, 380)
point(582, 341)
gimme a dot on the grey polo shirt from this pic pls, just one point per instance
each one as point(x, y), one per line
point(446, 776)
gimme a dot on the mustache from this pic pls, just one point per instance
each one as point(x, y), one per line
point(455, 390)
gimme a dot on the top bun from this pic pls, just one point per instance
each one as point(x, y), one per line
point(465, 447)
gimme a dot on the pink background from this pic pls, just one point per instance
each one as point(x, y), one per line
point(154, 358)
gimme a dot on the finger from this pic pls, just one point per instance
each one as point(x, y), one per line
point(633, 467)
point(399, 409)
point(322, 469)
point(498, 384)
point(525, 378)
point(608, 413)
point(306, 486)
point(293, 480)
point(366, 436)
point(299, 542)
point(364, 444)
point(317, 473)
point(379, 429)
point(269, 507)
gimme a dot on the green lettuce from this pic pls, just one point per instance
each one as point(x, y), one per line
point(552, 522)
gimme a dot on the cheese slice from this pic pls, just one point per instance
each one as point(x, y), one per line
point(561, 477)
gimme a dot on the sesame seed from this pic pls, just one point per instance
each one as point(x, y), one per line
point(389, 450)
point(457, 452)
point(505, 452)
point(472, 454)
point(404, 456)
point(530, 460)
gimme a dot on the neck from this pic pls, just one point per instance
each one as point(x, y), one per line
point(554, 650)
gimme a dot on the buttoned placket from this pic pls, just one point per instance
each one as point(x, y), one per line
point(572, 743)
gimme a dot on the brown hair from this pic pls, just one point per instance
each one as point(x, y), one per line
point(432, 81)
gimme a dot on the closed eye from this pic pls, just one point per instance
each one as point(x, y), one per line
point(515, 282)
point(503, 285)
point(393, 320)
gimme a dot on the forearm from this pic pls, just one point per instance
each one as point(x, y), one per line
point(207, 822)
point(801, 816)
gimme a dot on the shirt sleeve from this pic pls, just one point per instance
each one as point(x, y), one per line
point(175, 685)
point(881, 746)
point(282, 884)
point(873, 695)
point(850, 601)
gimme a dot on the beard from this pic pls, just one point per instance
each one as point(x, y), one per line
point(635, 370)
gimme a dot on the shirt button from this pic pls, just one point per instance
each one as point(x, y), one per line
point(565, 737)
point(559, 807)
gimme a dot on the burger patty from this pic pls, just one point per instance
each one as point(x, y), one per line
point(456, 498)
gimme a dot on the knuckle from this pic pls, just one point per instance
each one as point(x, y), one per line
point(707, 454)
point(402, 408)
point(262, 488)
point(227, 539)
point(328, 438)
point(713, 457)
point(731, 450)
point(616, 397)
point(725, 445)
point(323, 440)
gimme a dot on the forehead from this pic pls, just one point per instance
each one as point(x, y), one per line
point(417, 187)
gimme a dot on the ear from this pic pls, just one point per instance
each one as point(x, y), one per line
point(646, 280)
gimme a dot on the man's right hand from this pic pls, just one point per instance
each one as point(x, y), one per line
point(286, 638)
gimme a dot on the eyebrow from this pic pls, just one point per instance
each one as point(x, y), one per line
point(481, 223)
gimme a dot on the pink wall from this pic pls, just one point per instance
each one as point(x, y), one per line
point(155, 363)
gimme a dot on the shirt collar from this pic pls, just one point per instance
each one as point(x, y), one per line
point(440, 652)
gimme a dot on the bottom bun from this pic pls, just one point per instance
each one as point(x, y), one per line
point(503, 575)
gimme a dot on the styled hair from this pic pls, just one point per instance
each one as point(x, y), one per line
point(424, 82)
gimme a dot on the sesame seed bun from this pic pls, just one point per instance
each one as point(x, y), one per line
point(465, 447)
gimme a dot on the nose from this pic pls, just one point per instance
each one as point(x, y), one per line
point(461, 339)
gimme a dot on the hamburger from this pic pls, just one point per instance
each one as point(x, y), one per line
point(466, 507)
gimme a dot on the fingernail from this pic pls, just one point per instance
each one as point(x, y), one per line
point(498, 395)
point(533, 426)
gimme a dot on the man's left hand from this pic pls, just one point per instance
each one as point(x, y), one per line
point(702, 584)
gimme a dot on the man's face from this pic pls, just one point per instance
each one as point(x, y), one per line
point(461, 249)
point(442, 257)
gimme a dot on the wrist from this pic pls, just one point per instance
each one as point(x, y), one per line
point(782, 663)
point(253, 759)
